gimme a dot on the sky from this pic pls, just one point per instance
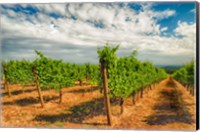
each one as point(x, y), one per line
point(163, 33)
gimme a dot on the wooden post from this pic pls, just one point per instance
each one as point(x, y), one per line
point(6, 81)
point(81, 82)
point(188, 88)
point(138, 95)
point(38, 87)
point(106, 97)
point(191, 90)
point(134, 98)
point(122, 105)
point(145, 90)
point(141, 93)
point(60, 101)
point(150, 87)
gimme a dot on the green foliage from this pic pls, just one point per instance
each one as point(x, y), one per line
point(52, 74)
point(127, 75)
point(185, 75)
point(92, 73)
point(108, 55)
point(19, 72)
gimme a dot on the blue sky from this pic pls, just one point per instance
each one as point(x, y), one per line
point(163, 33)
point(183, 13)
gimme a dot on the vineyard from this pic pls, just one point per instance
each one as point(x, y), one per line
point(185, 75)
point(115, 85)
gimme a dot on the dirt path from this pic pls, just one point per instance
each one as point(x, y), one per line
point(168, 106)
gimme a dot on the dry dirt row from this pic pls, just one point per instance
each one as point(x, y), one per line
point(168, 106)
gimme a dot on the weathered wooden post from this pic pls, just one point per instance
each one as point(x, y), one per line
point(60, 95)
point(141, 93)
point(186, 87)
point(138, 95)
point(38, 87)
point(190, 90)
point(121, 105)
point(150, 87)
point(6, 81)
point(134, 98)
point(105, 87)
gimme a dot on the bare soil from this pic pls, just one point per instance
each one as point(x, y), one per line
point(168, 106)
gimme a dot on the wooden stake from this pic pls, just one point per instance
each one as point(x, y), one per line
point(60, 96)
point(81, 82)
point(186, 88)
point(146, 90)
point(6, 81)
point(141, 93)
point(138, 95)
point(38, 87)
point(134, 98)
point(106, 97)
point(122, 105)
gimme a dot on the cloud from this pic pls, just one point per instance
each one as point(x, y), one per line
point(76, 36)
point(193, 11)
point(163, 29)
point(164, 14)
point(185, 29)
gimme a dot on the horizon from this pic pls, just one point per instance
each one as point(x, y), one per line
point(157, 65)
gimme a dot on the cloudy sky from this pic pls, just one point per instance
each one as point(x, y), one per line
point(163, 33)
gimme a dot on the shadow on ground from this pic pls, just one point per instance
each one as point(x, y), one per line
point(17, 92)
point(30, 101)
point(77, 114)
point(115, 101)
point(171, 83)
point(94, 88)
point(171, 108)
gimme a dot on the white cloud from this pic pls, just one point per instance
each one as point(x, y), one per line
point(163, 29)
point(193, 10)
point(164, 14)
point(185, 29)
point(67, 38)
